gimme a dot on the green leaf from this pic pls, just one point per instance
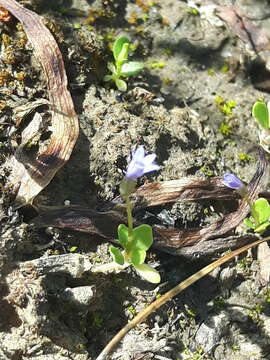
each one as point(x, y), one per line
point(148, 273)
point(260, 210)
point(117, 255)
point(260, 113)
point(107, 78)
point(123, 56)
point(73, 249)
point(248, 222)
point(111, 67)
point(121, 85)
point(262, 227)
point(137, 256)
point(123, 235)
point(131, 68)
point(143, 237)
point(118, 45)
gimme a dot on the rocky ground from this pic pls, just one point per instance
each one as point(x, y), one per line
point(191, 106)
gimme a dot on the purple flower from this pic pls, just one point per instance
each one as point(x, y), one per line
point(140, 164)
point(232, 181)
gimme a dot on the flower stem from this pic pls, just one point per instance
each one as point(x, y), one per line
point(129, 217)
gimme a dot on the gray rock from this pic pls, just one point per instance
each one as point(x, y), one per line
point(210, 332)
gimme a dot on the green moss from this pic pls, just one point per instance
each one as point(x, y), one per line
point(131, 310)
point(244, 264)
point(225, 106)
point(225, 128)
point(211, 72)
point(244, 157)
point(191, 313)
point(235, 348)
point(255, 313)
point(168, 52)
point(225, 68)
point(219, 302)
point(267, 296)
point(207, 171)
point(193, 11)
point(97, 320)
point(196, 355)
point(157, 65)
point(73, 249)
point(167, 81)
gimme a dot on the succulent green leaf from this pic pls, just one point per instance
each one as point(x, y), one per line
point(111, 67)
point(107, 78)
point(117, 255)
point(118, 45)
point(260, 211)
point(121, 85)
point(131, 68)
point(123, 56)
point(248, 222)
point(73, 249)
point(262, 227)
point(148, 273)
point(123, 235)
point(143, 237)
point(261, 114)
point(137, 256)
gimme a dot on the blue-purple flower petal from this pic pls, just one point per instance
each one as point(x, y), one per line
point(140, 164)
point(232, 181)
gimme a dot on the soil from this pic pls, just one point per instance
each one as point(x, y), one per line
point(194, 64)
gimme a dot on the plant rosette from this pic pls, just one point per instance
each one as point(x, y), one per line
point(122, 67)
point(135, 244)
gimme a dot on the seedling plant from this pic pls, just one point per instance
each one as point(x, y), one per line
point(122, 68)
point(135, 241)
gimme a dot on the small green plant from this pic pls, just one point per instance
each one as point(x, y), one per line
point(135, 241)
point(260, 214)
point(122, 68)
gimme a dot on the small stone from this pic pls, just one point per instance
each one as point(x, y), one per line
point(81, 295)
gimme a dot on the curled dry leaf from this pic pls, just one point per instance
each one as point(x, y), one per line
point(35, 172)
point(187, 242)
point(185, 189)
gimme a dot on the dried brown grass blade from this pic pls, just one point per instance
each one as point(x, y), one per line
point(173, 237)
point(36, 173)
point(186, 242)
point(185, 189)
